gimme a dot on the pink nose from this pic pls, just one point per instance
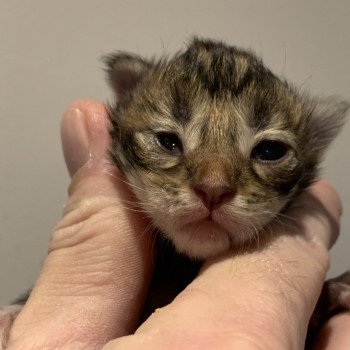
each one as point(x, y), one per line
point(214, 196)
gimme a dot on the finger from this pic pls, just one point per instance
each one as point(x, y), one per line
point(94, 279)
point(7, 317)
point(253, 300)
point(335, 335)
point(319, 205)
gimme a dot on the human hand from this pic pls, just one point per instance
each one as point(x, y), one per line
point(95, 278)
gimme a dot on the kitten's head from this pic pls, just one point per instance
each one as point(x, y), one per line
point(213, 144)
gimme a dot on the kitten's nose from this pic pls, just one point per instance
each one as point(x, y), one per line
point(214, 196)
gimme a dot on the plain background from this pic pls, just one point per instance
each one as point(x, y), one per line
point(49, 56)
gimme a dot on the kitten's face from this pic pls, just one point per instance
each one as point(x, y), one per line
point(213, 144)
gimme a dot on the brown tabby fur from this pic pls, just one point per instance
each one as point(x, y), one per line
point(220, 101)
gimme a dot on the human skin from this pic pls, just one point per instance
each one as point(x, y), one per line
point(95, 278)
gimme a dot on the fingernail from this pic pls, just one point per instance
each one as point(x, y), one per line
point(75, 140)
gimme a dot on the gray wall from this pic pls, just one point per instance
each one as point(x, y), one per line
point(49, 56)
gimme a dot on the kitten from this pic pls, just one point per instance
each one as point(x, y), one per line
point(213, 144)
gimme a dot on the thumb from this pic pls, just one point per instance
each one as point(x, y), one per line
point(95, 277)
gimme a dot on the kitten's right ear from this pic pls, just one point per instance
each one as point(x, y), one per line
point(124, 72)
point(327, 118)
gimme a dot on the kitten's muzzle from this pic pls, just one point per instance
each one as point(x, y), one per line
point(212, 182)
point(213, 196)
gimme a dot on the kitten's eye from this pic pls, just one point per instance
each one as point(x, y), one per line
point(269, 151)
point(170, 142)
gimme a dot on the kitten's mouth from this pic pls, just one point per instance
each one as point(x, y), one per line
point(202, 238)
point(203, 233)
point(203, 217)
point(206, 227)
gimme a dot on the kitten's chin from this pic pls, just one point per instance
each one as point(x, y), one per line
point(201, 240)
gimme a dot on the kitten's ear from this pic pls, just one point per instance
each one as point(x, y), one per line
point(124, 72)
point(327, 118)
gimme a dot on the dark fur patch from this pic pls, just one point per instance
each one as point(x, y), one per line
point(131, 150)
point(180, 107)
point(214, 65)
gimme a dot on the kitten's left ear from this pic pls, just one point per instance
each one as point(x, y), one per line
point(124, 72)
point(327, 118)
